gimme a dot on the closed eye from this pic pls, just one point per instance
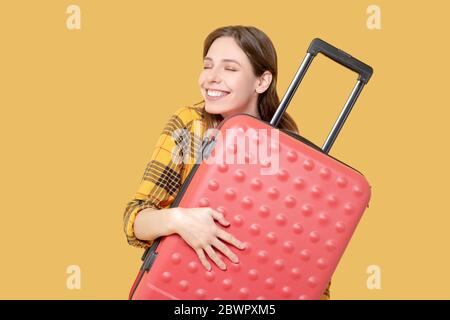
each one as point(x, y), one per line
point(228, 69)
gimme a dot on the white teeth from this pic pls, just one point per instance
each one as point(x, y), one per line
point(212, 93)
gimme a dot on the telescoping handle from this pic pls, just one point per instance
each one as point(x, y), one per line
point(341, 57)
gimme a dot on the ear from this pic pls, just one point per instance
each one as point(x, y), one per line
point(263, 82)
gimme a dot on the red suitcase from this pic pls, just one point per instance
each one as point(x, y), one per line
point(294, 205)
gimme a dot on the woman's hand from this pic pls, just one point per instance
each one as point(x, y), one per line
point(197, 227)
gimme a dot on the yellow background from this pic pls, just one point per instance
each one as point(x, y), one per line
point(81, 111)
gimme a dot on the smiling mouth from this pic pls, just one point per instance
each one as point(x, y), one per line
point(212, 92)
point(215, 94)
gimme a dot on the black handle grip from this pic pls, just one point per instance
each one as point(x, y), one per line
point(318, 45)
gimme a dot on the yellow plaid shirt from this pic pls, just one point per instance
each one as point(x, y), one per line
point(181, 138)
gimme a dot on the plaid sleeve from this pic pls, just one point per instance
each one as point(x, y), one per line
point(162, 177)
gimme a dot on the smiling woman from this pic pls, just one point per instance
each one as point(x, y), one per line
point(242, 62)
point(239, 76)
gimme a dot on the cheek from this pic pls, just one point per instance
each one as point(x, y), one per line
point(201, 78)
point(242, 85)
point(234, 82)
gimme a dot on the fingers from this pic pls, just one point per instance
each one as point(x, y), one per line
point(230, 239)
point(203, 259)
point(214, 257)
point(225, 250)
point(208, 250)
point(219, 217)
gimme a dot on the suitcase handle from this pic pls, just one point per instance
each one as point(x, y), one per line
point(341, 57)
point(364, 71)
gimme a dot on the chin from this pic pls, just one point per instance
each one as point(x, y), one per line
point(215, 109)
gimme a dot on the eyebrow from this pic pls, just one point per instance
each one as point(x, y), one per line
point(224, 60)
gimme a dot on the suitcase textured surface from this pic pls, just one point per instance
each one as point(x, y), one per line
point(295, 206)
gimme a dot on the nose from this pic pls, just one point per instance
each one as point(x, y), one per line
point(213, 75)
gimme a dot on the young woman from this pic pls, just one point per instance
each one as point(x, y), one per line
point(239, 76)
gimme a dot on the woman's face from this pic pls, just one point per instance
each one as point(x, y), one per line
point(227, 82)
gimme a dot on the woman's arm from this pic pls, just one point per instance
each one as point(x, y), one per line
point(161, 179)
point(151, 224)
point(149, 215)
point(196, 226)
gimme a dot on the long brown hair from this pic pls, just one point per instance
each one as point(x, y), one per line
point(262, 55)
